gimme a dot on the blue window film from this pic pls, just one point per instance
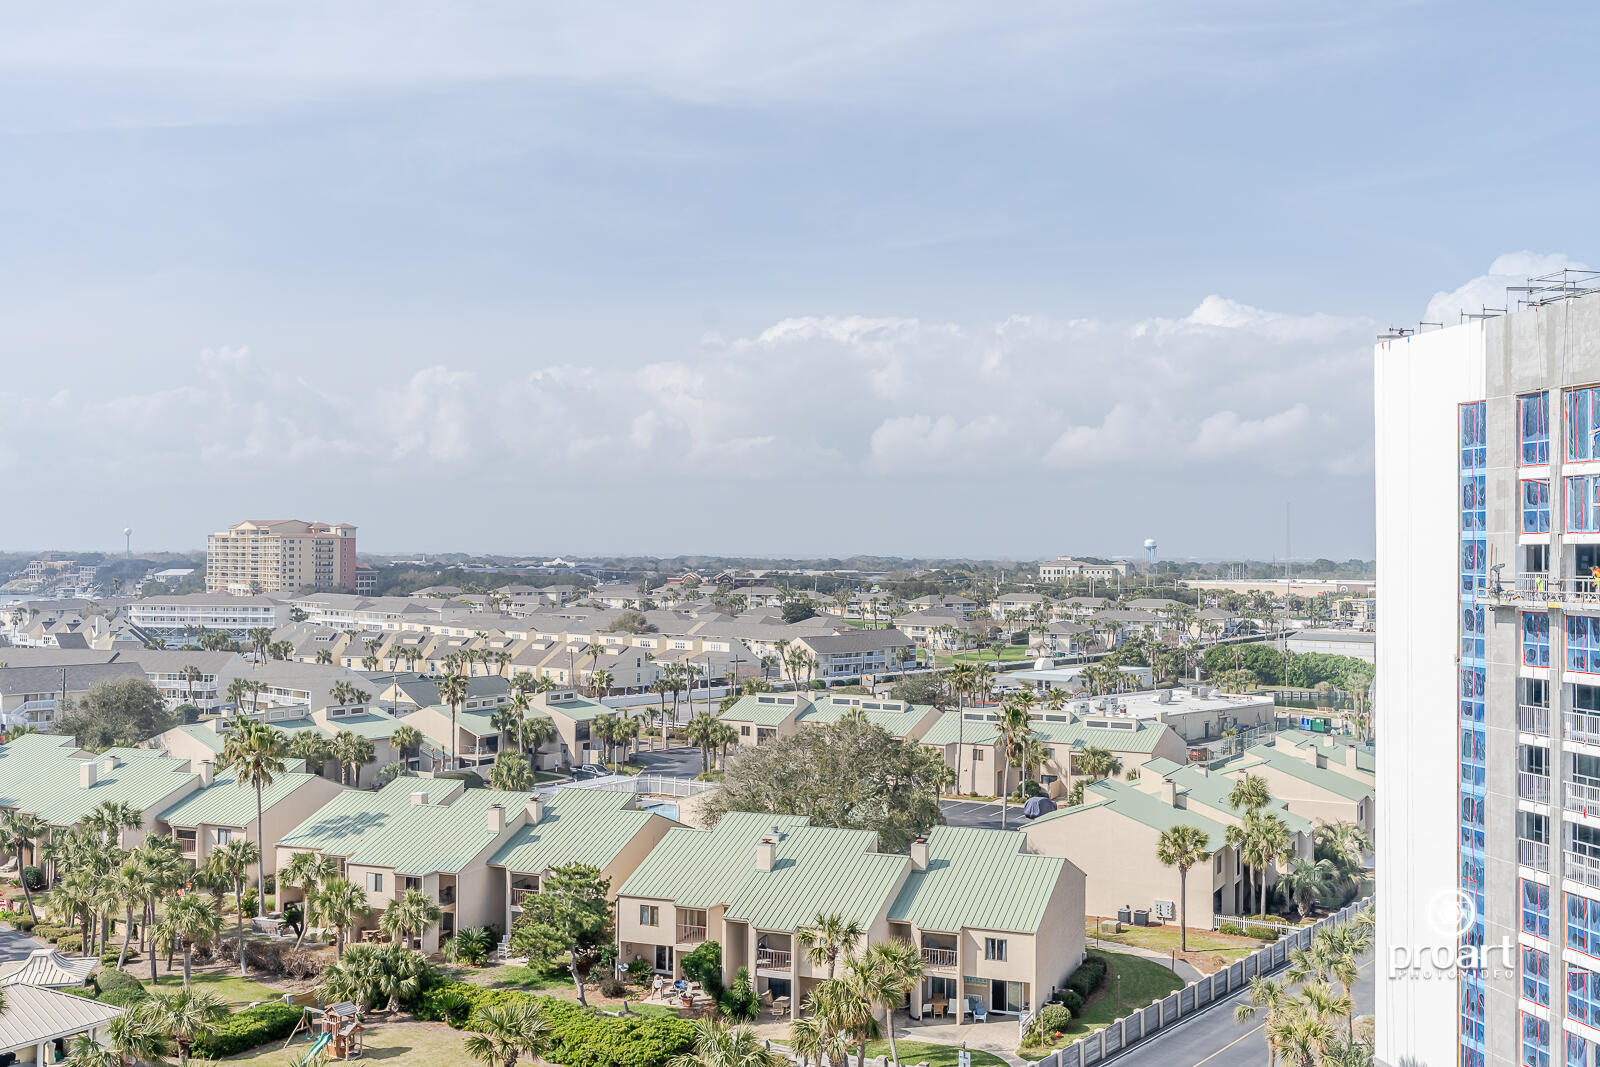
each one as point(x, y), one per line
point(1535, 506)
point(1535, 909)
point(1533, 411)
point(1583, 424)
point(1535, 638)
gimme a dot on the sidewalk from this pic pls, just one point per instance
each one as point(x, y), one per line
point(1186, 970)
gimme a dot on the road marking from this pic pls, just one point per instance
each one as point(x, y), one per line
point(1230, 1044)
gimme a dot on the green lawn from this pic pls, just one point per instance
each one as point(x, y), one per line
point(232, 989)
point(401, 1044)
point(529, 979)
point(1010, 653)
point(1165, 939)
point(933, 1055)
point(1142, 981)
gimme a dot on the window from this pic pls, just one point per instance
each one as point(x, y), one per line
point(1474, 436)
point(1577, 1051)
point(1535, 638)
point(1583, 644)
point(1536, 976)
point(1583, 504)
point(649, 915)
point(1534, 416)
point(1583, 423)
point(1535, 1041)
point(1583, 924)
point(409, 883)
point(374, 882)
point(744, 731)
point(977, 755)
point(1472, 633)
point(224, 836)
point(1583, 995)
point(994, 948)
point(1535, 506)
point(1535, 909)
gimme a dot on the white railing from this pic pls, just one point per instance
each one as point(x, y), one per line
point(1584, 868)
point(939, 957)
point(1582, 726)
point(1583, 795)
point(648, 784)
point(1533, 854)
point(1197, 996)
point(776, 959)
point(1534, 787)
point(1533, 720)
point(521, 893)
point(690, 934)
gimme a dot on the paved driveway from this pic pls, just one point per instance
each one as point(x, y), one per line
point(980, 813)
point(679, 761)
point(15, 945)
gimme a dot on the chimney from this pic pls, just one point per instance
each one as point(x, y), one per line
point(919, 854)
point(1169, 792)
point(535, 809)
point(86, 774)
point(497, 818)
point(207, 768)
point(1350, 757)
point(767, 852)
point(419, 797)
point(108, 763)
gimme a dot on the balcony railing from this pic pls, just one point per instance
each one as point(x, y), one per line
point(1584, 868)
point(1534, 787)
point(939, 957)
point(447, 896)
point(1582, 726)
point(1583, 795)
point(520, 894)
point(1533, 720)
point(689, 934)
point(1539, 588)
point(773, 959)
point(1533, 854)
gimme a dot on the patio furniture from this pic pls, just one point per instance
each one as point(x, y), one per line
point(780, 1007)
point(927, 1009)
point(979, 1010)
point(940, 1006)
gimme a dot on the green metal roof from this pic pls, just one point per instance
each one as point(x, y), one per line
point(386, 829)
point(39, 773)
point(589, 826)
point(897, 718)
point(1366, 755)
point(763, 709)
point(225, 803)
point(203, 734)
point(579, 709)
point(1295, 767)
point(1212, 790)
point(1142, 736)
point(1142, 807)
point(814, 869)
point(981, 879)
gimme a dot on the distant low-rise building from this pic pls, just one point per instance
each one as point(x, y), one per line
point(1064, 567)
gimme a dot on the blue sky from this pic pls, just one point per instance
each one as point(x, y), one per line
point(1001, 280)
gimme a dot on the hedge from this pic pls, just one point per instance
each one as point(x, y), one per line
point(1090, 973)
point(244, 1030)
point(579, 1036)
point(110, 980)
point(123, 998)
point(70, 942)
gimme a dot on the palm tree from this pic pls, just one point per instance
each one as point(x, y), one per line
point(190, 675)
point(353, 751)
point(718, 1045)
point(503, 1032)
point(702, 730)
point(453, 691)
point(259, 636)
point(343, 904)
point(307, 871)
point(1268, 994)
point(405, 740)
point(1250, 792)
point(505, 719)
point(828, 938)
point(1304, 882)
point(536, 733)
point(600, 683)
point(1015, 725)
point(325, 656)
point(1345, 845)
point(1269, 838)
point(127, 886)
point(19, 830)
point(723, 735)
point(1182, 846)
point(135, 1036)
point(1096, 762)
point(409, 916)
point(894, 968)
point(235, 860)
point(193, 919)
point(186, 1015)
point(962, 681)
point(256, 753)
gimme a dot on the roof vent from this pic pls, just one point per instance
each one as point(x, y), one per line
point(497, 818)
point(419, 797)
point(108, 763)
point(207, 769)
point(766, 853)
point(86, 774)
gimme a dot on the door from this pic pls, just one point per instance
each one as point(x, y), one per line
point(664, 959)
point(1005, 996)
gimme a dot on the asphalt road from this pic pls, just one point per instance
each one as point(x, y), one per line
point(1214, 1039)
point(679, 761)
point(15, 945)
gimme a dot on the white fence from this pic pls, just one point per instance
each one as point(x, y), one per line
point(644, 784)
point(1142, 1023)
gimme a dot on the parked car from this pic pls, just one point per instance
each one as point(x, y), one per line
point(590, 770)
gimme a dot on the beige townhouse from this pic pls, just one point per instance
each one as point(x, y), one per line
point(221, 811)
point(761, 717)
point(999, 930)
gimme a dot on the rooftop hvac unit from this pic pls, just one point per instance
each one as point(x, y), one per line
point(1164, 697)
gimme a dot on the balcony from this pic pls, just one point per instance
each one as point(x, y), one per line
point(1533, 854)
point(691, 934)
point(1582, 726)
point(1533, 720)
point(773, 959)
point(942, 958)
point(1582, 795)
point(447, 896)
point(1583, 868)
point(518, 895)
point(1534, 787)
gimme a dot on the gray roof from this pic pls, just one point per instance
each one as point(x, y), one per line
point(79, 677)
point(34, 1015)
point(857, 641)
point(47, 968)
point(52, 657)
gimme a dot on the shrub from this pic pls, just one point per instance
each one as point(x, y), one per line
point(70, 942)
point(24, 923)
point(640, 972)
point(301, 963)
point(124, 998)
point(704, 965)
point(1089, 975)
point(1051, 1020)
point(1071, 999)
point(612, 986)
point(244, 1030)
point(33, 878)
point(250, 903)
point(113, 956)
point(110, 981)
point(739, 1002)
point(51, 931)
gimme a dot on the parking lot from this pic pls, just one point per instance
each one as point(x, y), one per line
point(984, 814)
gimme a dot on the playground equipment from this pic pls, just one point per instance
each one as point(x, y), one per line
point(338, 1028)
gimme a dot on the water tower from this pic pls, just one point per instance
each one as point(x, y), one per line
point(127, 542)
point(1150, 551)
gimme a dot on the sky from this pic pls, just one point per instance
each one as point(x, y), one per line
point(996, 280)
